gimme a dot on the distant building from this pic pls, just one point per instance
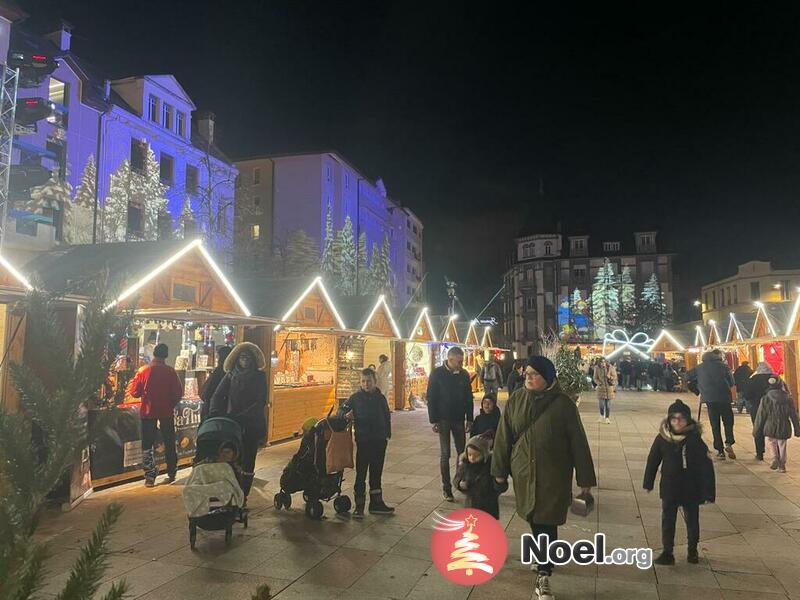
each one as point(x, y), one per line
point(549, 282)
point(131, 159)
point(282, 208)
point(755, 281)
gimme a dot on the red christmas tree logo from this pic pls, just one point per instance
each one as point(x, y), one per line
point(468, 546)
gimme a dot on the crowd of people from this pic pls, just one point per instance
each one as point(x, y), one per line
point(538, 439)
point(653, 375)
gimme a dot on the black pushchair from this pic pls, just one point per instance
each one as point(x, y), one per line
point(307, 472)
point(214, 432)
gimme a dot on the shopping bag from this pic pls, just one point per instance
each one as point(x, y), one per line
point(582, 504)
point(339, 453)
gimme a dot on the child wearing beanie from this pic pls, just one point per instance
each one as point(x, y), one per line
point(474, 479)
point(687, 478)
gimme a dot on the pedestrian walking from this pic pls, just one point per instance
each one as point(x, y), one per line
point(160, 389)
point(539, 443)
point(213, 381)
point(625, 368)
point(492, 376)
point(369, 412)
point(516, 379)
point(383, 375)
point(450, 404)
point(740, 377)
point(485, 424)
point(713, 381)
point(776, 417)
point(755, 388)
point(242, 396)
point(605, 380)
point(474, 478)
point(687, 478)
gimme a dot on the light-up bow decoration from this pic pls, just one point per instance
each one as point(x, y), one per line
point(640, 343)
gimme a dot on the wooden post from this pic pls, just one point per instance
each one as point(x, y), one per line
point(399, 373)
point(791, 369)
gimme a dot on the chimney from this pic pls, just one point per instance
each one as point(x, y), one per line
point(205, 125)
point(61, 37)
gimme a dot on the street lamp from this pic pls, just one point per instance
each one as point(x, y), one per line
point(697, 303)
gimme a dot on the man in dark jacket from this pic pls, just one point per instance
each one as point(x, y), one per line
point(713, 380)
point(687, 478)
point(160, 390)
point(213, 381)
point(369, 412)
point(740, 377)
point(450, 403)
point(492, 376)
point(515, 379)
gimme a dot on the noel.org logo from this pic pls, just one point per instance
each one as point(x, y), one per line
point(468, 546)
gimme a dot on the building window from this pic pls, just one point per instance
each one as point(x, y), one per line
point(59, 95)
point(785, 289)
point(167, 168)
point(408, 223)
point(256, 175)
point(327, 172)
point(548, 248)
point(415, 229)
point(346, 180)
point(138, 155)
point(755, 290)
point(135, 220)
point(408, 246)
point(713, 298)
point(610, 246)
point(180, 123)
point(192, 179)
point(706, 301)
point(152, 108)
point(530, 303)
point(736, 294)
point(166, 115)
point(256, 200)
point(59, 149)
point(255, 231)
point(579, 272)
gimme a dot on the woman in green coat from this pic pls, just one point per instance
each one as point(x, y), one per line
point(539, 443)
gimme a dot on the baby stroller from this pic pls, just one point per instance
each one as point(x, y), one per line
point(213, 486)
point(307, 472)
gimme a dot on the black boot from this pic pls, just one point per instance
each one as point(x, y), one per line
point(665, 558)
point(692, 556)
point(358, 513)
point(376, 505)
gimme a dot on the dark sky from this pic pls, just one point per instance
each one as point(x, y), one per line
point(686, 121)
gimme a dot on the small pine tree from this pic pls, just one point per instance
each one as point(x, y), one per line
point(382, 276)
point(652, 310)
point(362, 263)
point(86, 192)
point(154, 192)
point(370, 285)
point(348, 260)
point(186, 225)
point(627, 317)
point(328, 261)
point(605, 299)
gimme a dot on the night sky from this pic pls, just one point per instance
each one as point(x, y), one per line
point(686, 122)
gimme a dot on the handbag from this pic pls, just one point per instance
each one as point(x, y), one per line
point(582, 504)
point(339, 451)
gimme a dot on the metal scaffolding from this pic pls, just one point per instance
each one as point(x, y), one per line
point(8, 104)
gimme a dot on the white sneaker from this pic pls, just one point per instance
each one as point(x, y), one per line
point(608, 421)
point(601, 420)
point(543, 591)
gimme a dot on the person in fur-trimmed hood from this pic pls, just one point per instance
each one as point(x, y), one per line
point(775, 418)
point(242, 396)
point(687, 477)
point(474, 478)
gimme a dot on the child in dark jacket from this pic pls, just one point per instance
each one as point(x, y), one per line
point(369, 411)
point(775, 418)
point(488, 420)
point(474, 479)
point(687, 478)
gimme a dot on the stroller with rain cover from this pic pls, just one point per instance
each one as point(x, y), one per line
point(210, 477)
point(307, 472)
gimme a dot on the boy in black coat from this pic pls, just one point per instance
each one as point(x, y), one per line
point(687, 478)
point(369, 411)
point(488, 420)
point(474, 479)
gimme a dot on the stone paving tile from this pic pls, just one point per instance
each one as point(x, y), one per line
point(342, 568)
point(207, 584)
point(146, 578)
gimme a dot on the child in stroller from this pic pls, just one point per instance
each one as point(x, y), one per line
point(213, 496)
point(307, 470)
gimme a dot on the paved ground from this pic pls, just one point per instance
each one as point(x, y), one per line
point(750, 539)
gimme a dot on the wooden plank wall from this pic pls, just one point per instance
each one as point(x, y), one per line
point(292, 406)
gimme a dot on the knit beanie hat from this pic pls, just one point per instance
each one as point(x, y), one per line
point(161, 351)
point(544, 367)
point(679, 407)
point(309, 424)
point(480, 444)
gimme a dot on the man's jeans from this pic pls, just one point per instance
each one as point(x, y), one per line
point(717, 411)
point(446, 429)
point(167, 427)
